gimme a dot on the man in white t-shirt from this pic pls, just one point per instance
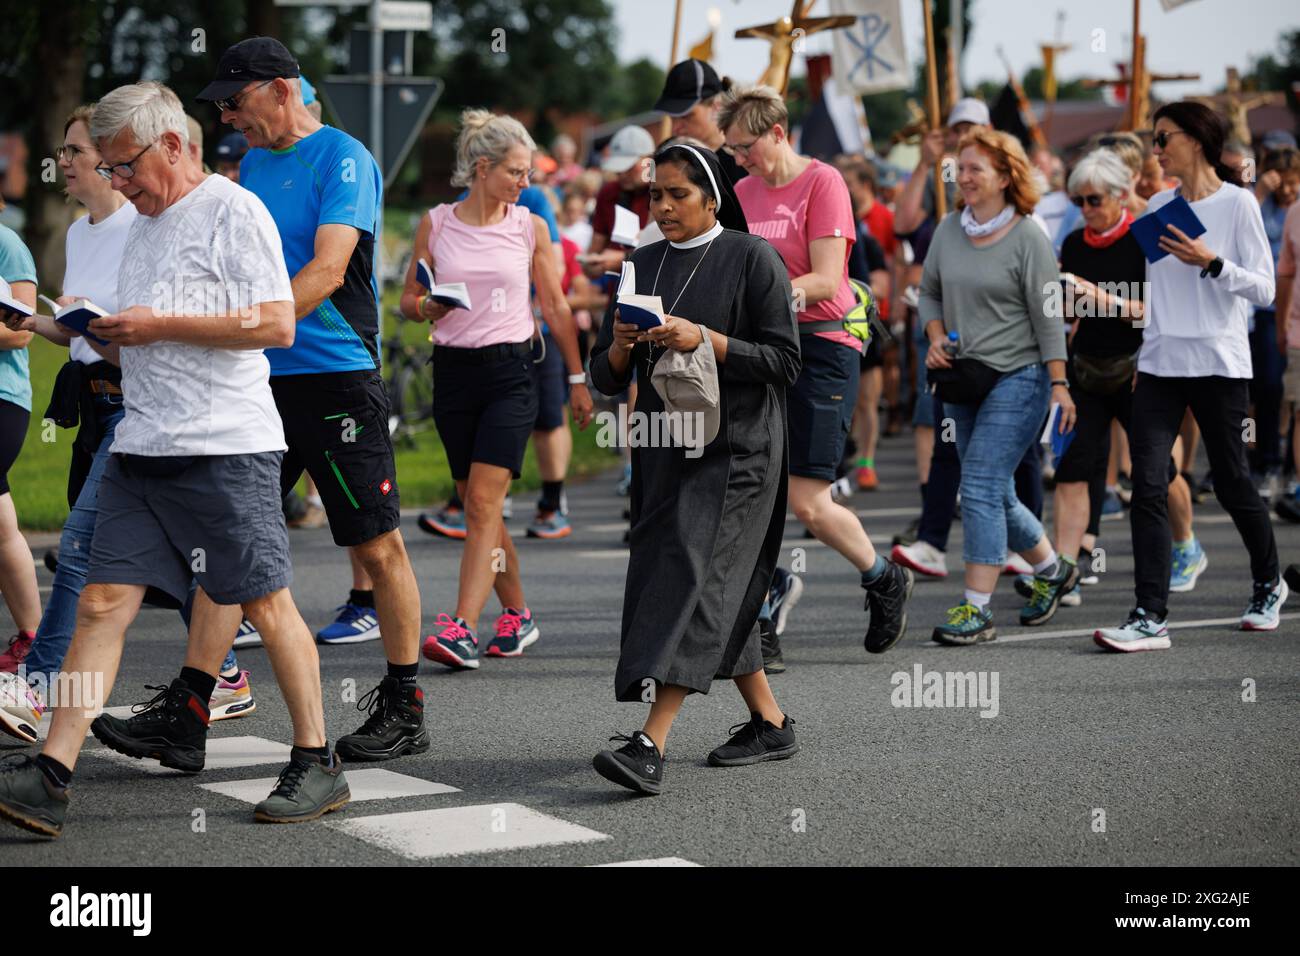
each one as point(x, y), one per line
point(193, 487)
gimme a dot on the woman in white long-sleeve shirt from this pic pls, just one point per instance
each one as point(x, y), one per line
point(1196, 353)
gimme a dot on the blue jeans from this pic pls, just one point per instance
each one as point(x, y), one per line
point(991, 439)
point(54, 633)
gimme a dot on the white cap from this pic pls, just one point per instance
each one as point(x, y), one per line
point(970, 110)
point(628, 145)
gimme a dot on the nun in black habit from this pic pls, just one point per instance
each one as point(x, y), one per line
point(706, 523)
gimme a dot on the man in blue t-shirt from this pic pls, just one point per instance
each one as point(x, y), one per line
point(324, 191)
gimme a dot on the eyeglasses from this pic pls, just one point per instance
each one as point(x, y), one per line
point(742, 149)
point(1162, 139)
point(233, 103)
point(1093, 200)
point(124, 170)
point(70, 151)
point(517, 175)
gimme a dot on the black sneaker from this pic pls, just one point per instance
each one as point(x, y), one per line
point(754, 741)
point(636, 765)
point(1292, 577)
point(172, 729)
point(1046, 593)
point(28, 799)
point(908, 536)
point(308, 788)
point(886, 600)
point(770, 644)
point(394, 728)
point(1288, 508)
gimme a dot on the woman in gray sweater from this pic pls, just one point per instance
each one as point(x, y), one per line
point(991, 278)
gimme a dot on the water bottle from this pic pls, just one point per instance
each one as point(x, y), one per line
point(950, 347)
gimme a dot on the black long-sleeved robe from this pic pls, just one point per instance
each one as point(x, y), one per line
point(706, 531)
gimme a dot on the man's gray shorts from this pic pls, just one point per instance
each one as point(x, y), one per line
point(217, 518)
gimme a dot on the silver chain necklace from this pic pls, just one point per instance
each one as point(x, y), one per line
point(672, 309)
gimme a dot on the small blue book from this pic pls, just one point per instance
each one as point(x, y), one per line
point(644, 311)
point(1148, 229)
point(1053, 438)
point(454, 295)
point(78, 315)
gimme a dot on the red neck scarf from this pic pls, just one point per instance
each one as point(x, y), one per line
point(1100, 240)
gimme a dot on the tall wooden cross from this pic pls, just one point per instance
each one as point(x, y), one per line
point(1137, 114)
point(782, 36)
point(1236, 104)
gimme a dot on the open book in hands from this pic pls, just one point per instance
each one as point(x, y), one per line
point(77, 316)
point(644, 311)
point(454, 295)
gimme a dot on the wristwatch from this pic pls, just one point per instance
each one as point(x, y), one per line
point(1064, 383)
point(578, 378)
point(1214, 268)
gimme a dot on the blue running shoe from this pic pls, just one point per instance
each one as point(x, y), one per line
point(549, 524)
point(247, 635)
point(1189, 562)
point(354, 625)
point(515, 631)
point(624, 486)
point(454, 645)
point(784, 594)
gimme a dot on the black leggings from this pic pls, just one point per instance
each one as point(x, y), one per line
point(13, 429)
point(1219, 406)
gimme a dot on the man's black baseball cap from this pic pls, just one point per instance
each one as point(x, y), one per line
point(257, 58)
point(688, 82)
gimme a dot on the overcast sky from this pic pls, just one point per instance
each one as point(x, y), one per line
point(1203, 36)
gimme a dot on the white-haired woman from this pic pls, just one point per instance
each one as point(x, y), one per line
point(484, 397)
point(1103, 269)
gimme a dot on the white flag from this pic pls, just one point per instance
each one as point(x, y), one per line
point(1170, 4)
point(870, 56)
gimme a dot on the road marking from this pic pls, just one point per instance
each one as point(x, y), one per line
point(367, 784)
point(1175, 626)
point(607, 553)
point(661, 861)
point(223, 753)
point(455, 831)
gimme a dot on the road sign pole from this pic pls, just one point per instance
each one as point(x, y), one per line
point(377, 117)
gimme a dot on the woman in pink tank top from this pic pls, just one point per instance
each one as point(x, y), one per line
point(484, 388)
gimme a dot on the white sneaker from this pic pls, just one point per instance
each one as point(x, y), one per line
point(841, 489)
point(20, 708)
point(1072, 597)
point(1265, 607)
point(922, 557)
point(1017, 565)
point(1138, 633)
point(508, 507)
point(247, 636)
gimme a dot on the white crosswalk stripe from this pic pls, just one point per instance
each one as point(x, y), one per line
point(661, 861)
point(222, 754)
point(457, 831)
point(366, 784)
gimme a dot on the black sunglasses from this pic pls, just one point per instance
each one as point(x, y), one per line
point(233, 103)
point(1093, 200)
point(1162, 139)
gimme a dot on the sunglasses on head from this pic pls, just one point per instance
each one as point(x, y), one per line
point(1092, 200)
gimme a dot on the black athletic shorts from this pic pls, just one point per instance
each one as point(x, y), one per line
point(336, 427)
point(820, 406)
point(13, 429)
point(484, 405)
point(552, 387)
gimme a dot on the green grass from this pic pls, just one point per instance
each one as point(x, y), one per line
point(39, 479)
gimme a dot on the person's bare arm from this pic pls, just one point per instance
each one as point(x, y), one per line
point(263, 325)
point(1285, 286)
point(10, 340)
point(559, 317)
point(323, 275)
point(908, 211)
point(827, 255)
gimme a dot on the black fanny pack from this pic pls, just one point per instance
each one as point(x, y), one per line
point(1103, 376)
point(966, 383)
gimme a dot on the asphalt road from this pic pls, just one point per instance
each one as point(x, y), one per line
point(1092, 758)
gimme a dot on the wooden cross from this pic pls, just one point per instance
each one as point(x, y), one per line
point(1137, 114)
point(1236, 105)
point(782, 36)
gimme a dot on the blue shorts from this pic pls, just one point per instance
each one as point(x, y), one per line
point(820, 406)
point(552, 387)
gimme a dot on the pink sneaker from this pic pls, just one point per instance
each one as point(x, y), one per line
point(454, 646)
point(231, 699)
point(515, 631)
point(20, 645)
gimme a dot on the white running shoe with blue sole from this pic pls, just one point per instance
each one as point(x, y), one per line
point(1138, 633)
